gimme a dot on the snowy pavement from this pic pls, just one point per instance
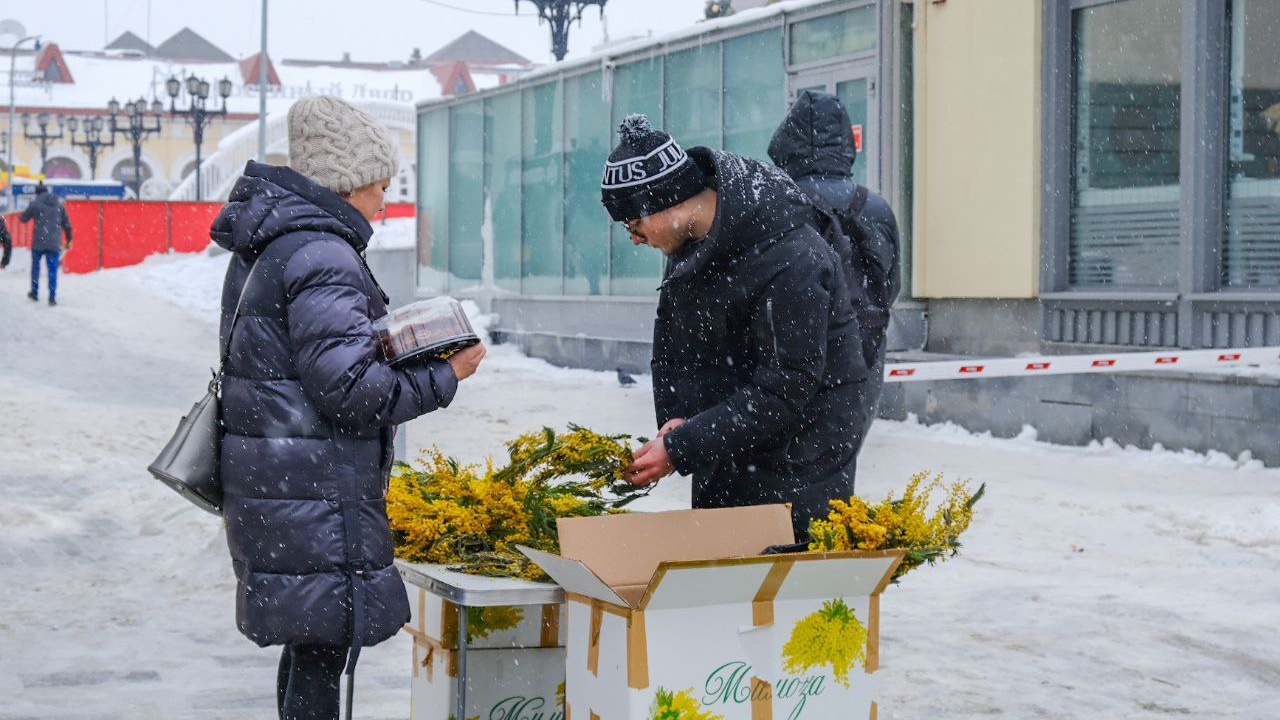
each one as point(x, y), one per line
point(1096, 582)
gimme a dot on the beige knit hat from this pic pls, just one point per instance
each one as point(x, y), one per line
point(338, 145)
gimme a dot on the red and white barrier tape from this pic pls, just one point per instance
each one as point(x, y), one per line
point(1079, 364)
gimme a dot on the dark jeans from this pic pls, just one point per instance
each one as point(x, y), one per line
point(51, 258)
point(307, 684)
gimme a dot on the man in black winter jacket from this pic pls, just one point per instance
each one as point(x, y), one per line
point(815, 146)
point(51, 224)
point(758, 373)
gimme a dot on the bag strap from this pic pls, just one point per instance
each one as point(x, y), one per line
point(859, 201)
point(231, 329)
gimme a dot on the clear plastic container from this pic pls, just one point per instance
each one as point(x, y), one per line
point(437, 328)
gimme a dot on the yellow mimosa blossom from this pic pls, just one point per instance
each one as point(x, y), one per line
point(680, 705)
point(832, 636)
point(904, 523)
point(472, 517)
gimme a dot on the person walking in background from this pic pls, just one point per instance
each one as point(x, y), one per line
point(309, 407)
point(758, 372)
point(815, 146)
point(51, 224)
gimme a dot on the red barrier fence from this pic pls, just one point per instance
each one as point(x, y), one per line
point(119, 233)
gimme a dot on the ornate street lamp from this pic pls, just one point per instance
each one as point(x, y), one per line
point(93, 142)
point(44, 137)
point(137, 131)
point(198, 114)
point(558, 14)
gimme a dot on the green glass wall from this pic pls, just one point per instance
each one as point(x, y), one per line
point(755, 84)
point(466, 194)
point(586, 224)
point(542, 254)
point(637, 88)
point(692, 94)
point(433, 201)
point(504, 157)
point(510, 182)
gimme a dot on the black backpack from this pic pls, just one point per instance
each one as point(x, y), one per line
point(872, 278)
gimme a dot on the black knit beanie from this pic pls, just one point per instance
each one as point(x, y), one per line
point(647, 172)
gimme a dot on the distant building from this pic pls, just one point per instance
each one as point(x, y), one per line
point(70, 83)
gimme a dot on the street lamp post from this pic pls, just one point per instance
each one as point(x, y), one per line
point(43, 137)
point(137, 131)
point(13, 60)
point(559, 14)
point(198, 113)
point(93, 142)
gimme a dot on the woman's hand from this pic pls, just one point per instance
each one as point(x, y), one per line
point(466, 361)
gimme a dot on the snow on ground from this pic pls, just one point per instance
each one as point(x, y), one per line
point(1098, 582)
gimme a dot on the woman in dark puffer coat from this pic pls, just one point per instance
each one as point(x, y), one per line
point(309, 408)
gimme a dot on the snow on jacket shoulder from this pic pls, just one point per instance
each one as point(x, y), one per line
point(51, 222)
point(308, 409)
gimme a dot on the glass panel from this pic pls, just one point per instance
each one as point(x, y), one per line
point(1128, 93)
point(692, 98)
point(586, 123)
point(466, 194)
point(637, 88)
point(1252, 252)
point(503, 163)
point(754, 92)
point(906, 146)
point(830, 36)
point(543, 189)
point(433, 201)
point(853, 93)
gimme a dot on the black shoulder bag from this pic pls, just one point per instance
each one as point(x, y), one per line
point(189, 461)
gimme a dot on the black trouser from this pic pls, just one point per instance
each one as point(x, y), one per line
point(307, 684)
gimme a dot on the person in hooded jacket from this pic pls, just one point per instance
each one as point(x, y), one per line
point(814, 144)
point(758, 375)
point(51, 224)
point(309, 407)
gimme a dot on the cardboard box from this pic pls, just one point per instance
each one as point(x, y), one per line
point(515, 683)
point(515, 660)
point(678, 611)
point(505, 626)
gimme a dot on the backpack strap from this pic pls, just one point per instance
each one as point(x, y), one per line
point(859, 201)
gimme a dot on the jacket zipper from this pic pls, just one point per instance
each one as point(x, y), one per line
point(773, 331)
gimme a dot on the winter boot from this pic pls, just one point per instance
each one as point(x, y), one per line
point(32, 296)
point(52, 302)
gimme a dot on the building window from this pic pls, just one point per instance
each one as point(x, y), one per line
point(125, 173)
point(62, 168)
point(754, 92)
point(831, 36)
point(1127, 128)
point(1251, 252)
point(503, 164)
point(586, 224)
point(466, 194)
point(433, 201)
point(542, 252)
point(692, 96)
point(637, 88)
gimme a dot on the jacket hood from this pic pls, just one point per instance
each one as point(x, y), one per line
point(45, 199)
point(269, 201)
point(755, 203)
point(816, 138)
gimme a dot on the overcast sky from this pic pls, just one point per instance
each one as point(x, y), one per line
point(368, 29)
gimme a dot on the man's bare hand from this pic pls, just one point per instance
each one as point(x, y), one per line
point(670, 425)
point(466, 361)
point(651, 463)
